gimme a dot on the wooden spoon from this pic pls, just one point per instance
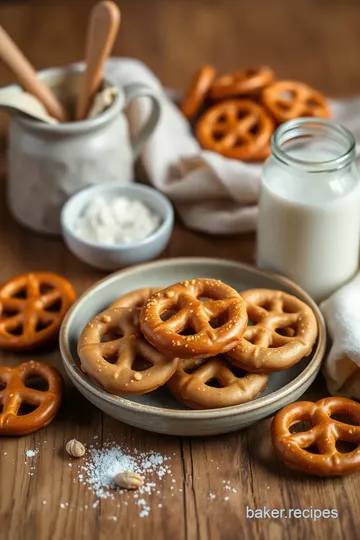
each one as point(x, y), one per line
point(27, 77)
point(102, 30)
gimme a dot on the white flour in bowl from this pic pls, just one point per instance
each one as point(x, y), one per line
point(116, 221)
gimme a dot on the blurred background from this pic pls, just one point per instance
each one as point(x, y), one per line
point(316, 41)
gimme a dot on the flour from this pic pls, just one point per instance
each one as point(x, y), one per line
point(116, 221)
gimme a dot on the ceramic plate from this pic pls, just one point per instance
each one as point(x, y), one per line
point(159, 411)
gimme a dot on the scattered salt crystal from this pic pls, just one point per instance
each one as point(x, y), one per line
point(103, 464)
point(95, 504)
point(31, 453)
point(212, 495)
point(160, 505)
point(62, 505)
point(226, 498)
point(44, 502)
point(95, 437)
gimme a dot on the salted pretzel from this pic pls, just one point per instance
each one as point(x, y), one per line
point(290, 99)
point(237, 128)
point(32, 307)
point(198, 90)
point(14, 393)
point(135, 298)
point(195, 328)
point(241, 83)
point(214, 384)
point(114, 353)
point(281, 331)
point(297, 449)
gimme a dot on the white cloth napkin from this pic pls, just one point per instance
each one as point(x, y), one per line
point(211, 193)
point(342, 315)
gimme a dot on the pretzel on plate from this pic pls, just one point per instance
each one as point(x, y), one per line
point(315, 451)
point(287, 100)
point(237, 128)
point(281, 331)
point(214, 384)
point(15, 392)
point(135, 298)
point(32, 307)
point(198, 90)
point(194, 319)
point(241, 83)
point(114, 353)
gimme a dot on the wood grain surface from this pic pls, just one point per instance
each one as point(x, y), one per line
point(317, 41)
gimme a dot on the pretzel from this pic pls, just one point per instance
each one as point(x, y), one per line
point(192, 384)
point(289, 99)
point(125, 363)
point(135, 298)
point(241, 83)
point(198, 90)
point(295, 448)
point(216, 324)
point(237, 129)
point(282, 330)
point(14, 393)
point(32, 307)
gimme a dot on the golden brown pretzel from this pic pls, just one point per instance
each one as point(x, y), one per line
point(198, 90)
point(125, 363)
point(241, 83)
point(32, 307)
point(215, 325)
point(14, 393)
point(192, 384)
point(290, 99)
point(281, 331)
point(135, 298)
point(296, 449)
point(237, 129)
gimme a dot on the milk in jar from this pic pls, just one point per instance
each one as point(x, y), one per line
point(309, 209)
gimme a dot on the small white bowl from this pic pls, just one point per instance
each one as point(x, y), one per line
point(117, 256)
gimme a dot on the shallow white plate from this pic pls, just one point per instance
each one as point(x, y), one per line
point(159, 411)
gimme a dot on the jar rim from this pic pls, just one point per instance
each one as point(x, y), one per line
point(307, 126)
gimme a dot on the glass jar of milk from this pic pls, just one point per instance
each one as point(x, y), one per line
point(309, 214)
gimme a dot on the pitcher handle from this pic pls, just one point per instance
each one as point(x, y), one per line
point(133, 91)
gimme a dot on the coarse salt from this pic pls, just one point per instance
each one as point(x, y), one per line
point(116, 221)
point(31, 453)
point(102, 465)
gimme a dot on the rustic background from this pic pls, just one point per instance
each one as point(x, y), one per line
point(316, 41)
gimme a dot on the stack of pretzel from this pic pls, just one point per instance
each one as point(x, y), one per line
point(210, 345)
point(236, 114)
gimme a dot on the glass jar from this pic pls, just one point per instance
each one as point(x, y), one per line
point(309, 209)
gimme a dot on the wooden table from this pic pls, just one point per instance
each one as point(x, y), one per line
point(318, 42)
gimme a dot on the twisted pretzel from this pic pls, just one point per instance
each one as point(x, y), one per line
point(15, 393)
point(32, 307)
point(289, 99)
point(135, 298)
point(241, 83)
point(295, 448)
point(215, 324)
point(192, 384)
point(198, 90)
point(125, 363)
point(238, 129)
point(282, 330)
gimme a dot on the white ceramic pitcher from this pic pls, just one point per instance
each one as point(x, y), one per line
point(48, 163)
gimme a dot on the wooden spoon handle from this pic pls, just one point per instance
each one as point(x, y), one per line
point(27, 77)
point(102, 30)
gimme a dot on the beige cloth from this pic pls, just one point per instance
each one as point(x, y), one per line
point(211, 193)
point(342, 316)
